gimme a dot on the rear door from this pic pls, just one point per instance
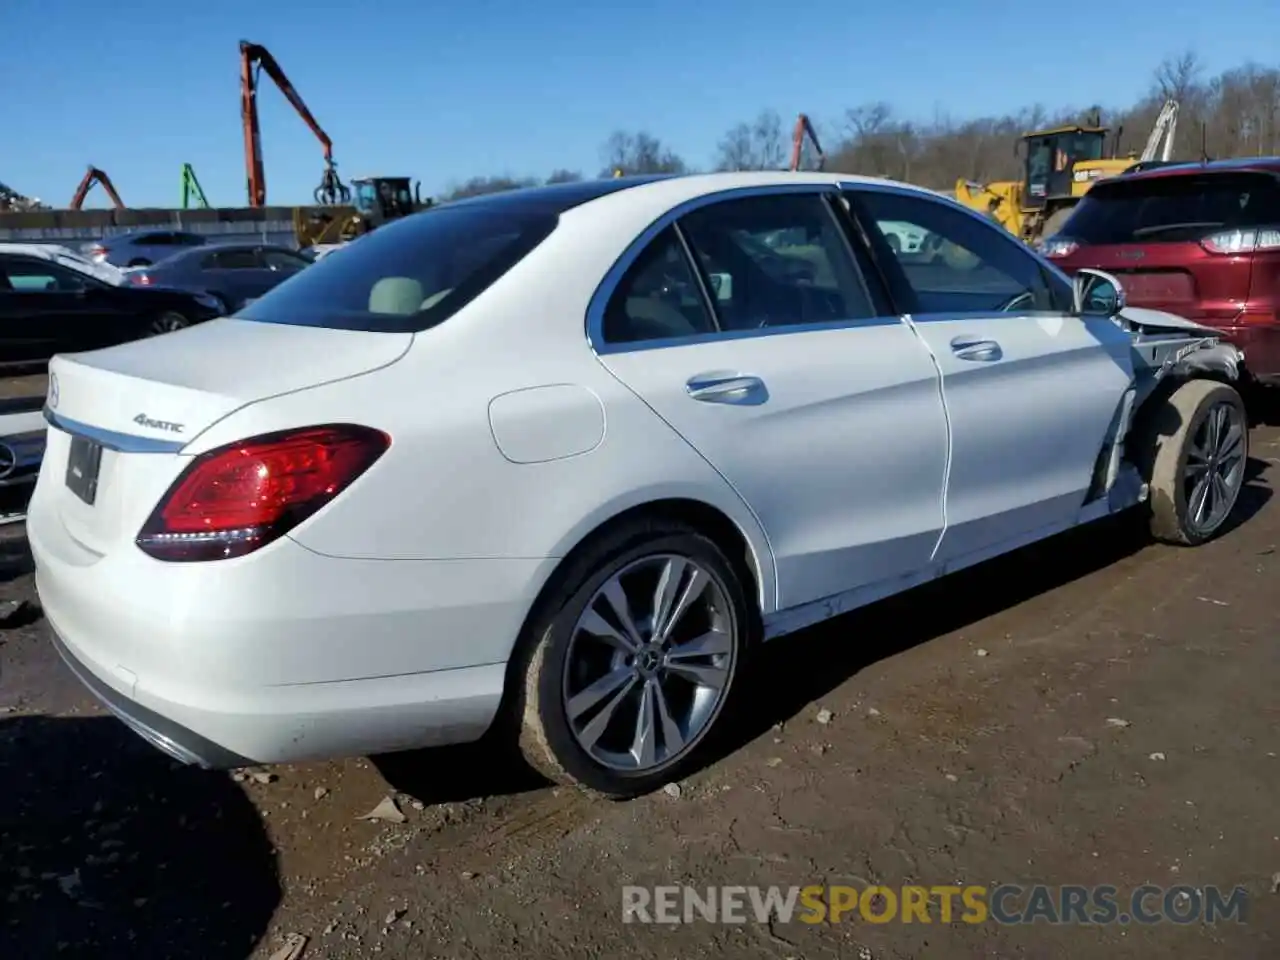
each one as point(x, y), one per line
point(282, 264)
point(1030, 388)
point(1180, 242)
point(748, 326)
point(241, 273)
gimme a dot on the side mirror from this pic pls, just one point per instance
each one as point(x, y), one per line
point(1096, 292)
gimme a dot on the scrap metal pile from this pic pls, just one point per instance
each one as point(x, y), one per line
point(12, 200)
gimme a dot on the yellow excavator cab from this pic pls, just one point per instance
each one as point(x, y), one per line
point(1059, 165)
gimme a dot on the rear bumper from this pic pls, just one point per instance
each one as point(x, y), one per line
point(178, 742)
point(287, 655)
point(1260, 341)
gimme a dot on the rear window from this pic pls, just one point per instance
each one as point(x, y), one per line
point(1174, 209)
point(409, 275)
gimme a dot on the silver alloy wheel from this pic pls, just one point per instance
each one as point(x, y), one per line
point(649, 663)
point(1214, 469)
point(168, 322)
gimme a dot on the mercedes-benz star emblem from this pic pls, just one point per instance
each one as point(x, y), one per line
point(53, 390)
point(8, 460)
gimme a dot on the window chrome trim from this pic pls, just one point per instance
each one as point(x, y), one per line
point(111, 439)
point(604, 292)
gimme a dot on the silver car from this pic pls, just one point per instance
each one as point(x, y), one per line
point(140, 248)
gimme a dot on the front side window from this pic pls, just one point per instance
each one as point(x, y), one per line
point(284, 261)
point(956, 263)
point(411, 274)
point(234, 260)
point(776, 261)
point(658, 298)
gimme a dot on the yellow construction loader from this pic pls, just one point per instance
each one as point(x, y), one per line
point(1059, 167)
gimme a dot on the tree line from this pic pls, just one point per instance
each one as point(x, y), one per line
point(1235, 113)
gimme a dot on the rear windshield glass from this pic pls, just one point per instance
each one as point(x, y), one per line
point(408, 275)
point(1173, 209)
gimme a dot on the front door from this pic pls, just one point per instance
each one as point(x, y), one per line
point(773, 360)
point(47, 308)
point(1030, 388)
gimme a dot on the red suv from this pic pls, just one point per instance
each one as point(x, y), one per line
point(1200, 240)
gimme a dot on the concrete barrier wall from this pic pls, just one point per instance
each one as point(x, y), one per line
point(60, 226)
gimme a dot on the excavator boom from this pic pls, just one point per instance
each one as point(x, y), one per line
point(94, 175)
point(805, 129)
point(1164, 129)
point(192, 192)
point(253, 57)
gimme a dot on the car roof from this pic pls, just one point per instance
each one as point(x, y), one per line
point(1193, 167)
point(660, 191)
point(65, 256)
point(41, 250)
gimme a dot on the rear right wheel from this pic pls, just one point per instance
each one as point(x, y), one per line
point(634, 661)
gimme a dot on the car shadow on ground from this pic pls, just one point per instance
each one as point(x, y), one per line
point(489, 767)
point(108, 850)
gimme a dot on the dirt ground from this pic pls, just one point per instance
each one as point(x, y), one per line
point(1094, 710)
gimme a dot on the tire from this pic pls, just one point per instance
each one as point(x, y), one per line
point(560, 660)
point(1199, 431)
point(1054, 222)
point(167, 322)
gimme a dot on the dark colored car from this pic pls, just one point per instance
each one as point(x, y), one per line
point(138, 248)
point(48, 306)
point(1200, 240)
point(232, 272)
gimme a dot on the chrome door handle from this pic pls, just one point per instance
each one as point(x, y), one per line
point(976, 348)
point(727, 388)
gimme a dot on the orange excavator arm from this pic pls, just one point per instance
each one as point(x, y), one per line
point(252, 57)
point(805, 129)
point(94, 175)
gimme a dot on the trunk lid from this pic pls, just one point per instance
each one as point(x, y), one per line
point(142, 402)
point(171, 388)
point(1181, 278)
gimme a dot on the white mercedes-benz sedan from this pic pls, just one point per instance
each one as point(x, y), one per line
point(562, 457)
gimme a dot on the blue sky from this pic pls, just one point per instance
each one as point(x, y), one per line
point(443, 92)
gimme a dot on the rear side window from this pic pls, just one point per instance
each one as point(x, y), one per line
point(233, 260)
point(410, 274)
point(1174, 209)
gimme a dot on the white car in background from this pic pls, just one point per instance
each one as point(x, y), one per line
point(903, 237)
point(520, 461)
point(56, 253)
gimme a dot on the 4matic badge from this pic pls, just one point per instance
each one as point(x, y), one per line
point(143, 420)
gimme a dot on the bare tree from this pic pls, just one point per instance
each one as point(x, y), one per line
point(760, 145)
point(564, 176)
point(638, 153)
point(1235, 113)
point(479, 186)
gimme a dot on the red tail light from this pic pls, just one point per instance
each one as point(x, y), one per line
point(139, 279)
point(96, 250)
point(238, 498)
